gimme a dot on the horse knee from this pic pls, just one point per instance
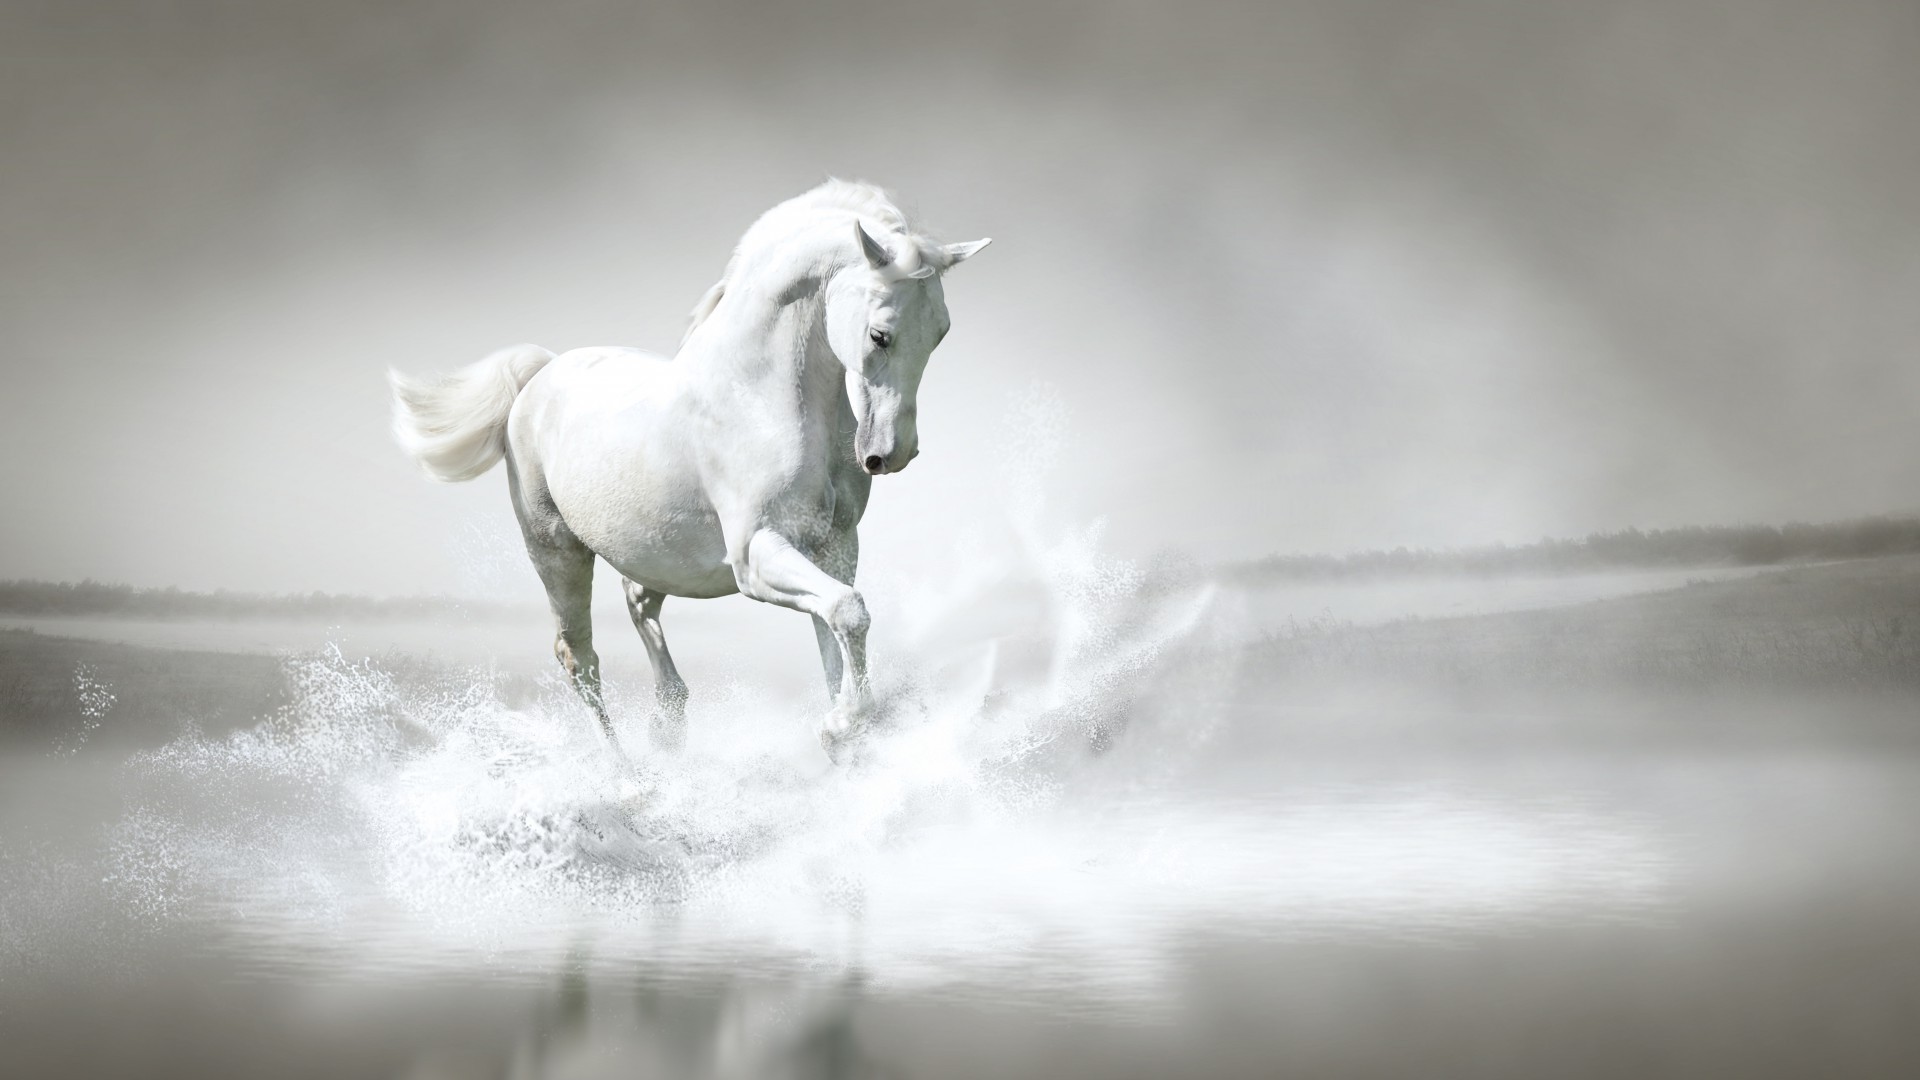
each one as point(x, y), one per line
point(576, 657)
point(847, 614)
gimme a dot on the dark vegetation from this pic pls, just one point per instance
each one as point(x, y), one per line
point(94, 598)
point(1713, 545)
point(1822, 628)
point(1733, 545)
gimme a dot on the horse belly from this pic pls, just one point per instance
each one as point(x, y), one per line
point(677, 557)
point(652, 528)
point(618, 469)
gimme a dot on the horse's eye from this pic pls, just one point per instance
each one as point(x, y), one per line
point(880, 338)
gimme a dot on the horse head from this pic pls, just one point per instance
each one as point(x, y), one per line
point(885, 313)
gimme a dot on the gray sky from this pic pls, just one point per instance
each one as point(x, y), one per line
point(1301, 276)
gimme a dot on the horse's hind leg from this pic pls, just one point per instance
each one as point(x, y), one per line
point(565, 566)
point(569, 584)
point(669, 726)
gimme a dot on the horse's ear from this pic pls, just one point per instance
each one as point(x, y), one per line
point(958, 253)
point(877, 255)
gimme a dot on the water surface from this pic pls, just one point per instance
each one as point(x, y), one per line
point(1127, 852)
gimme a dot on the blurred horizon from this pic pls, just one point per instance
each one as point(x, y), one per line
point(1625, 550)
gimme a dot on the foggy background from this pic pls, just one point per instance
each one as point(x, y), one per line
point(1301, 276)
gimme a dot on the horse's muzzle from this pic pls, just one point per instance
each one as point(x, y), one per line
point(881, 464)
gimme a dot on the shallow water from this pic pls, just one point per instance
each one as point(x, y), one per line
point(1106, 846)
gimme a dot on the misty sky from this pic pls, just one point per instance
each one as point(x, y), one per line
point(1292, 276)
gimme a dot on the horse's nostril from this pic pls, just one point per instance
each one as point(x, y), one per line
point(874, 462)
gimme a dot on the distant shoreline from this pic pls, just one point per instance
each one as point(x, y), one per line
point(1702, 547)
point(93, 599)
point(1695, 547)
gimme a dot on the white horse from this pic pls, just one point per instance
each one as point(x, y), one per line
point(743, 464)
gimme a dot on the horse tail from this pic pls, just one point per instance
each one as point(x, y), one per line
point(455, 425)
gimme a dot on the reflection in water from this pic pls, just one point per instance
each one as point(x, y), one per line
point(590, 1027)
point(593, 1023)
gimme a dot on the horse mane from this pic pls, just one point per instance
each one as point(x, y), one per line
point(835, 197)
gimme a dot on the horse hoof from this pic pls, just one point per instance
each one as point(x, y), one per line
point(838, 745)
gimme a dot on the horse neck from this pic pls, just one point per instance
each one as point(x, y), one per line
point(772, 342)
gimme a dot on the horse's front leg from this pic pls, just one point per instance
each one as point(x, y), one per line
point(772, 570)
point(832, 660)
point(840, 558)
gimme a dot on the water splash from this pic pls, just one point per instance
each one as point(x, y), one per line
point(96, 699)
point(1021, 812)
